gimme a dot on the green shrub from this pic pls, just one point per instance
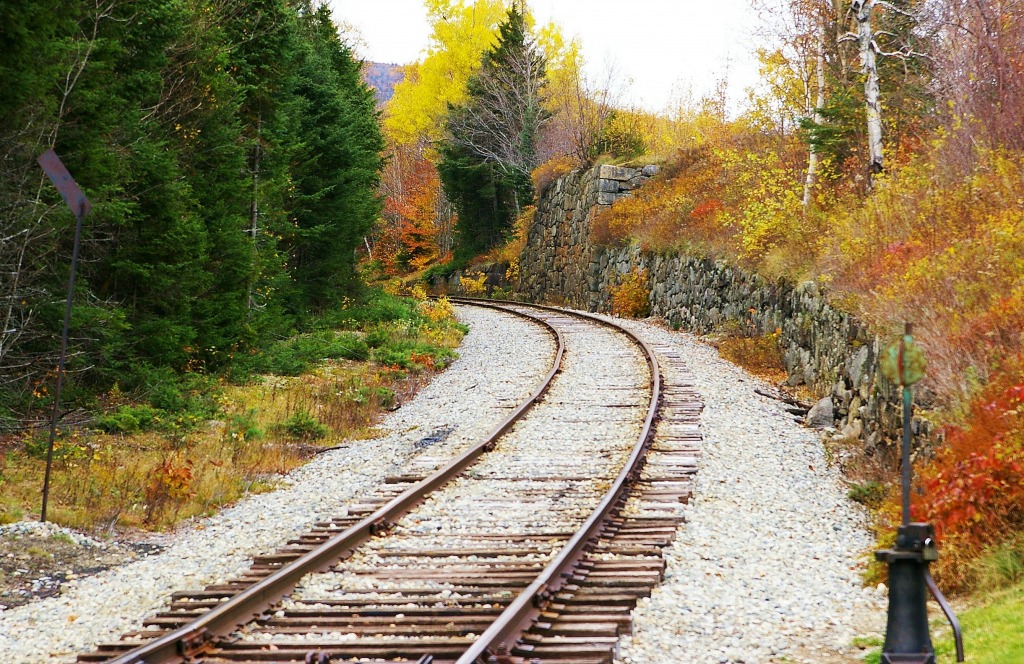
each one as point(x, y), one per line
point(385, 397)
point(870, 494)
point(414, 355)
point(363, 394)
point(347, 346)
point(377, 337)
point(36, 445)
point(382, 308)
point(292, 357)
point(444, 270)
point(244, 425)
point(130, 419)
point(501, 293)
point(65, 448)
point(304, 426)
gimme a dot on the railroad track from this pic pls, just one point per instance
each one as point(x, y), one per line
point(533, 546)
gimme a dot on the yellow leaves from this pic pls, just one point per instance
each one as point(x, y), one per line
point(393, 287)
point(419, 291)
point(461, 30)
point(437, 311)
point(631, 296)
point(187, 134)
point(460, 34)
point(474, 286)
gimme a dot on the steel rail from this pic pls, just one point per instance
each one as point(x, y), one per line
point(499, 639)
point(189, 640)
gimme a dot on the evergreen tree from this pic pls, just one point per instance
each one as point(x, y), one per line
point(231, 154)
point(263, 61)
point(336, 166)
point(490, 145)
point(35, 39)
point(121, 138)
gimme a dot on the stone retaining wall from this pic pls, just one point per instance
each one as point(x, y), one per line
point(826, 349)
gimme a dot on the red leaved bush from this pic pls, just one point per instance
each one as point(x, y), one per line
point(974, 488)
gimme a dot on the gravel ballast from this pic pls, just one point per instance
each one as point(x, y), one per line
point(570, 446)
point(767, 567)
point(464, 402)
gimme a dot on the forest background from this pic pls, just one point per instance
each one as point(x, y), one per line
point(232, 154)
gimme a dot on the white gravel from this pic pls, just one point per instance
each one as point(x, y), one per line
point(472, 395)
point(767, 567)
point(49, 529)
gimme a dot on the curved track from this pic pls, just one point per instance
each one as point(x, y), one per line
point(519, 547)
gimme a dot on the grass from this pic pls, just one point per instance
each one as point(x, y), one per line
point(149, 465)
point(993, 629)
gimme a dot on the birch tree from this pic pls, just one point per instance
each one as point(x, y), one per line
point(867, 37)
point(861, 11)
point(807, 35)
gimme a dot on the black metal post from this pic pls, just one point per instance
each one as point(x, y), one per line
point(906, 454)
point(907, 638)
point(79, 215)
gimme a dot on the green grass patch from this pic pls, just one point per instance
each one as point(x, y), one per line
point(165, 446)
point(292, 357)
point(993, 630)
point(870, 494)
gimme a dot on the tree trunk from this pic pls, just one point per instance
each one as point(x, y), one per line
point(869, 69)
point(254, 206)
point(819, 103)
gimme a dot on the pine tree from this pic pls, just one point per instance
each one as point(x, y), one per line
point(265, 39)
point(336, 165)
point(232, 157)
point(490, 146)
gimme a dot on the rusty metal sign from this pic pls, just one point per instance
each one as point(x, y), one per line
point(904, 362)
point(66, 185)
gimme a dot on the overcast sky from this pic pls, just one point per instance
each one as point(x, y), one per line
point(662, 46)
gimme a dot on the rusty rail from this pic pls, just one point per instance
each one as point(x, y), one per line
point(189, 641)
point(500, 637)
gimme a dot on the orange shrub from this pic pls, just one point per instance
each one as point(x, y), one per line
point(551, 170)
point(680, 206)
point(631, 297)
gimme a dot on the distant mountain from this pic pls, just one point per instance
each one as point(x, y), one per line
point(382, 77)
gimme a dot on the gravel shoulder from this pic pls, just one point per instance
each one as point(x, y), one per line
point(767, 567)
point(459, 406)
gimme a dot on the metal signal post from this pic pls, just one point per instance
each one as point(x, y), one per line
point(907, 639)
point(80, 206)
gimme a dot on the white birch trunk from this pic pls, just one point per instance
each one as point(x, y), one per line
point(869, 68)
point(819, 103)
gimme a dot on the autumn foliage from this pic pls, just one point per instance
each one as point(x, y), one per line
point(631, 296)
point(936, 238)
point(414, 213)
point(973, 491)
